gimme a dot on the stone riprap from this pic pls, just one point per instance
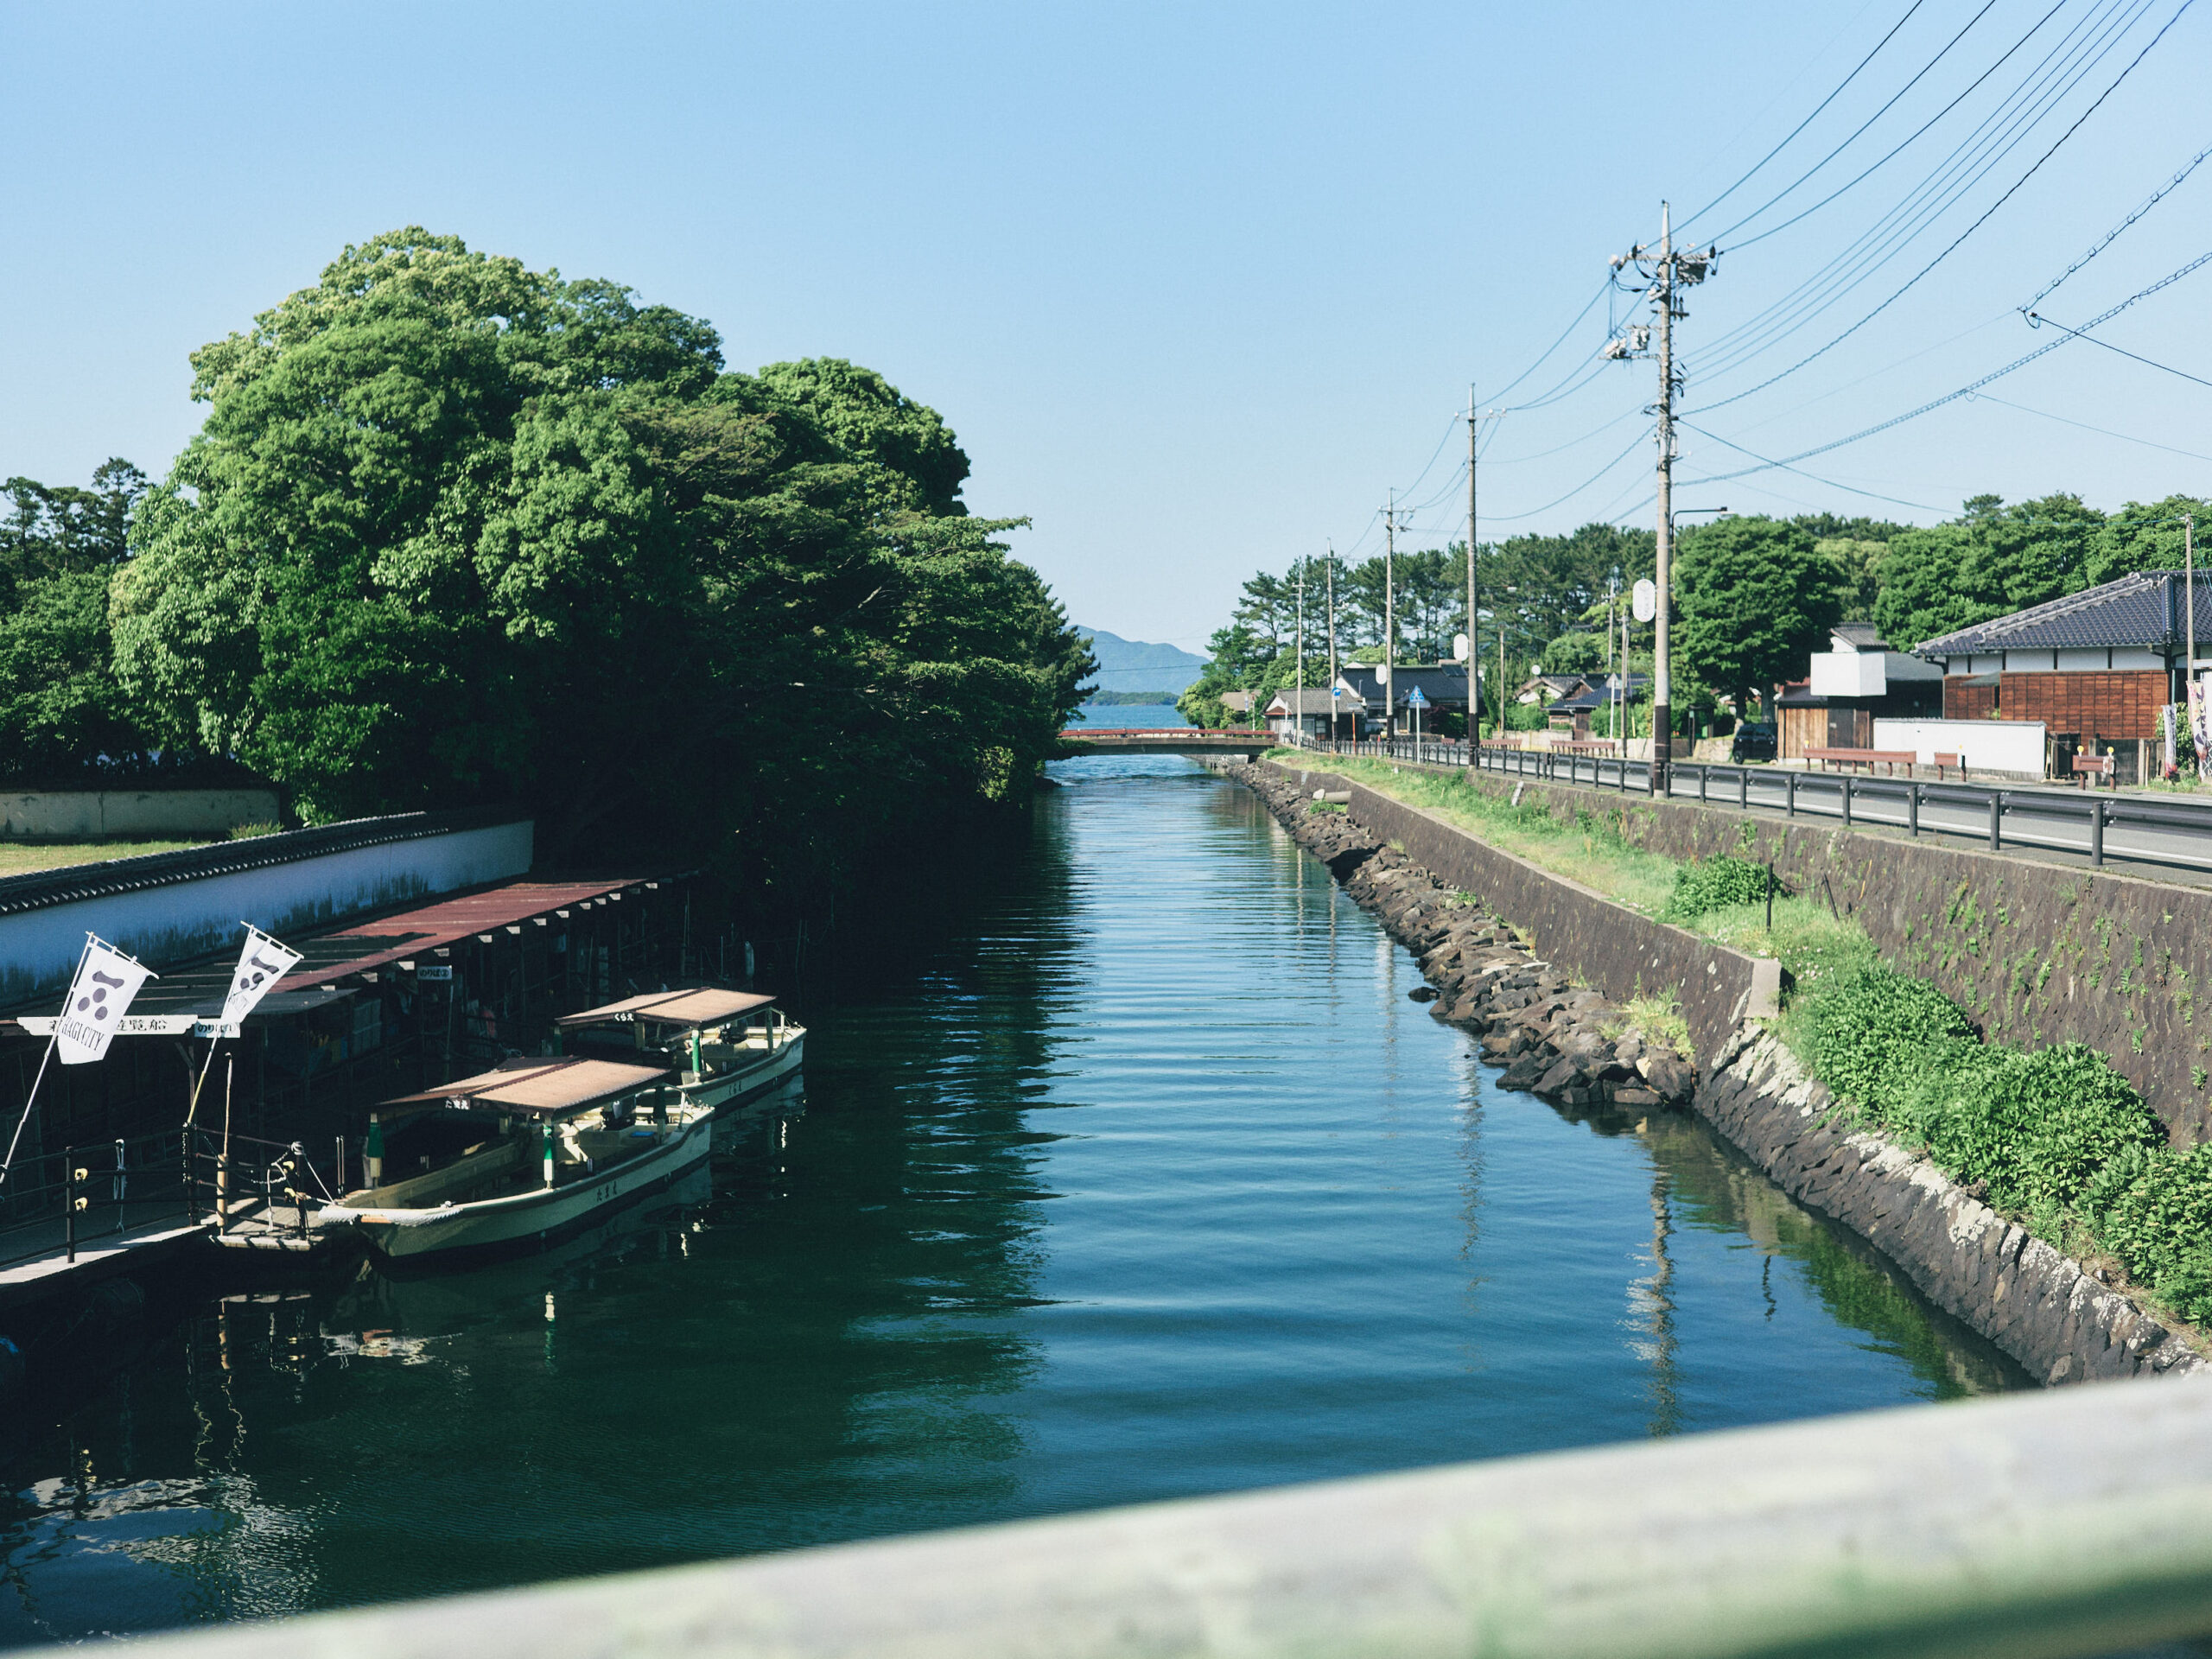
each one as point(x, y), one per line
point(1554, 1039)
point(2064, 1322)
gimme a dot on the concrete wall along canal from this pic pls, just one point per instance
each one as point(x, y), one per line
point(2062, 1320)
point(2037, 953)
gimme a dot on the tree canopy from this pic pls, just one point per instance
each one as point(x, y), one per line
point(455, 530)
point(1753, 598)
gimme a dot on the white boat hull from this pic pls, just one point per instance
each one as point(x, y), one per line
point(746, 1082)
point(530, 1217)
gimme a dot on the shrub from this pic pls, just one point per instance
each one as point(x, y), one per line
point(1876, 1032)
point(2153, 1209)
point(2036, 1127)
point(1715, 884)
point(251, 831)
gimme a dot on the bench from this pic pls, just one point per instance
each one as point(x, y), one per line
point(1867, 758)
point(2087, 768)
point(1588, 746)
point(1945, 762)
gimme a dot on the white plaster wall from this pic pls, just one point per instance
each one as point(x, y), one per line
point(72, 814)
point(169, 924)
point(1998, 745)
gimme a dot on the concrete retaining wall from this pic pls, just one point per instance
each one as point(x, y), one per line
point(86, 814)
point(1601, 943)
point(2036, 953)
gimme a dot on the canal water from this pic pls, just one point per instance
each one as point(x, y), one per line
point(1142, 1178)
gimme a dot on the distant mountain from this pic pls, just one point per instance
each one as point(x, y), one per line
point(1135, 665)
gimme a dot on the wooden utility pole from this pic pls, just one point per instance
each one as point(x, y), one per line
point(1474, 644)
point(1298, 691)
point(1390, 618)
point(1329, 574)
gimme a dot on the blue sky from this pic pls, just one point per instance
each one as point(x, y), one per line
point(1195, 285)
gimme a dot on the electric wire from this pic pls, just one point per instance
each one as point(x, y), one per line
point(1898, 150)
point(2101, 318)
point(1809, 119)
point(1860, 132)
point(1978, 222)
point(2101, 431)
point(2112, 235)
point(1515, 517)
point(1927, 201)
point(1546, 355)
point(2148, 362)
point(1834, 484)
point(1992, 138)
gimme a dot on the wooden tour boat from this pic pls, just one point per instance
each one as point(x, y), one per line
point(540, 1148)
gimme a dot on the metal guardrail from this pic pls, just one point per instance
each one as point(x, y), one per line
point(2050, 818)
point(2072, 1522)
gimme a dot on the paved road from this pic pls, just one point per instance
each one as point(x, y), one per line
point(2166, 836)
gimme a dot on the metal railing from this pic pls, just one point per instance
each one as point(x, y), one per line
point(58, 1203)
point(2176, 833)
point(2069, 1522)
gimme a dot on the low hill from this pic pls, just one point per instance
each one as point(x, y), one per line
point(1138, 665)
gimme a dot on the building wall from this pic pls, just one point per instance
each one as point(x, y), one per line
point(1964, 701)
point(89, 815)
point(166, 923)
point(2118, 704)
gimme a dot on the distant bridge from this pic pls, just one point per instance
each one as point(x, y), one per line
point(1166, 739)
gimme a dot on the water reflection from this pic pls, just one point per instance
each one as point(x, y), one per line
point(1132, 1173)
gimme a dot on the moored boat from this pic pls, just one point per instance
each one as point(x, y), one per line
point(540, 1148)
point(728, 1047)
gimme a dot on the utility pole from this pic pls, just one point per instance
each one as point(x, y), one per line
point(1474, 641)
point(1389, 619)
point(1298, 691)
point(1329, 574)
point(2188, 676)
point(1668, 273)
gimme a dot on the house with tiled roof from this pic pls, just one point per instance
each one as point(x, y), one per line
point(2095, 666)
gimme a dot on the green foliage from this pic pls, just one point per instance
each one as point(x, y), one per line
point(61, 708)
point(1755, 599)
point(1873, 1030)
point(2143, 538)
point(254, 831)
point(1713, 884)
point(2035, 1127)
point(455, 530)
point(1992, 560)
point(1575, 653)
point(2152, 1207)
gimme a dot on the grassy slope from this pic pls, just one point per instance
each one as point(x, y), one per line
point(20, 858)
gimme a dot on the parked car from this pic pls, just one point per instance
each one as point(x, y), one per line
point(1754, 740)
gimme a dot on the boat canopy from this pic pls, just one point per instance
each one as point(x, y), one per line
point(692, 1008)
point(539, 1088)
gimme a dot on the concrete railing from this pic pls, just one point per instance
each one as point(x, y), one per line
point(2077, 1522)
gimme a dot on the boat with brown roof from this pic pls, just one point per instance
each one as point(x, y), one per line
point(540, 1148)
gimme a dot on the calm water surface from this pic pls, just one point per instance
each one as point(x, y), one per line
point(1147, 1179)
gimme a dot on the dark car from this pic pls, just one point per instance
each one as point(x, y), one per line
point(1754, 740)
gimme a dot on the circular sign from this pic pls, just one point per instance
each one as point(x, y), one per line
point(1458, 648)
point(1645, 604)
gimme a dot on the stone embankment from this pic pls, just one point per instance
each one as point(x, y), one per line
point(2060, 1319)
point(1555, 1038)
point(2063, 1320)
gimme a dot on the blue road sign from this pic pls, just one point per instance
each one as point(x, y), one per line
point(1414, 700)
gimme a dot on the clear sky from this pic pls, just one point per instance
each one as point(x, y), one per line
point(1195, 285)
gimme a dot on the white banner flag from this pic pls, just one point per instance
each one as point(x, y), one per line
point(260, 964)
point(105, 982)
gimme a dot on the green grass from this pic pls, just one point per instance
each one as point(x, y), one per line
point(21, 858)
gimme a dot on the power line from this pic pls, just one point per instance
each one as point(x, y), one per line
point(1556, 344)
point(2034, 318)
point(1834, 484)
point(1995, 136)
point(1809, 119)
point(2112, 235)
point(2101, 318)
point(1901, 146)
point(1515, 517)
point(1721, 236)
point(2101, 431)
point(1983, 219)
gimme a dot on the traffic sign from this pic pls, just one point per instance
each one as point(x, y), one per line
point(1459, 647)
point(1414, 700)
point(1645, 603)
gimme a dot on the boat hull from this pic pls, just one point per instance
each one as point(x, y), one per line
point(529, 1220)
point(747, 1082)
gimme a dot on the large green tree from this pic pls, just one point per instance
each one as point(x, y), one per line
point(455, 529)
point(60, 708)
point(1990, 561)
point(1753, 598)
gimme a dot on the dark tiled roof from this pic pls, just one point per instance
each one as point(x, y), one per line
point(1445, 684)
point(1314, 700)
point(2141, 609)
point(1864, 636)
point(1594, 695)
point(74, 881)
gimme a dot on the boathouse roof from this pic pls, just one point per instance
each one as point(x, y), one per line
point(702, 1006)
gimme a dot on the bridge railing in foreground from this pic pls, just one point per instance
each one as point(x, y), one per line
point(2074, 1521)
